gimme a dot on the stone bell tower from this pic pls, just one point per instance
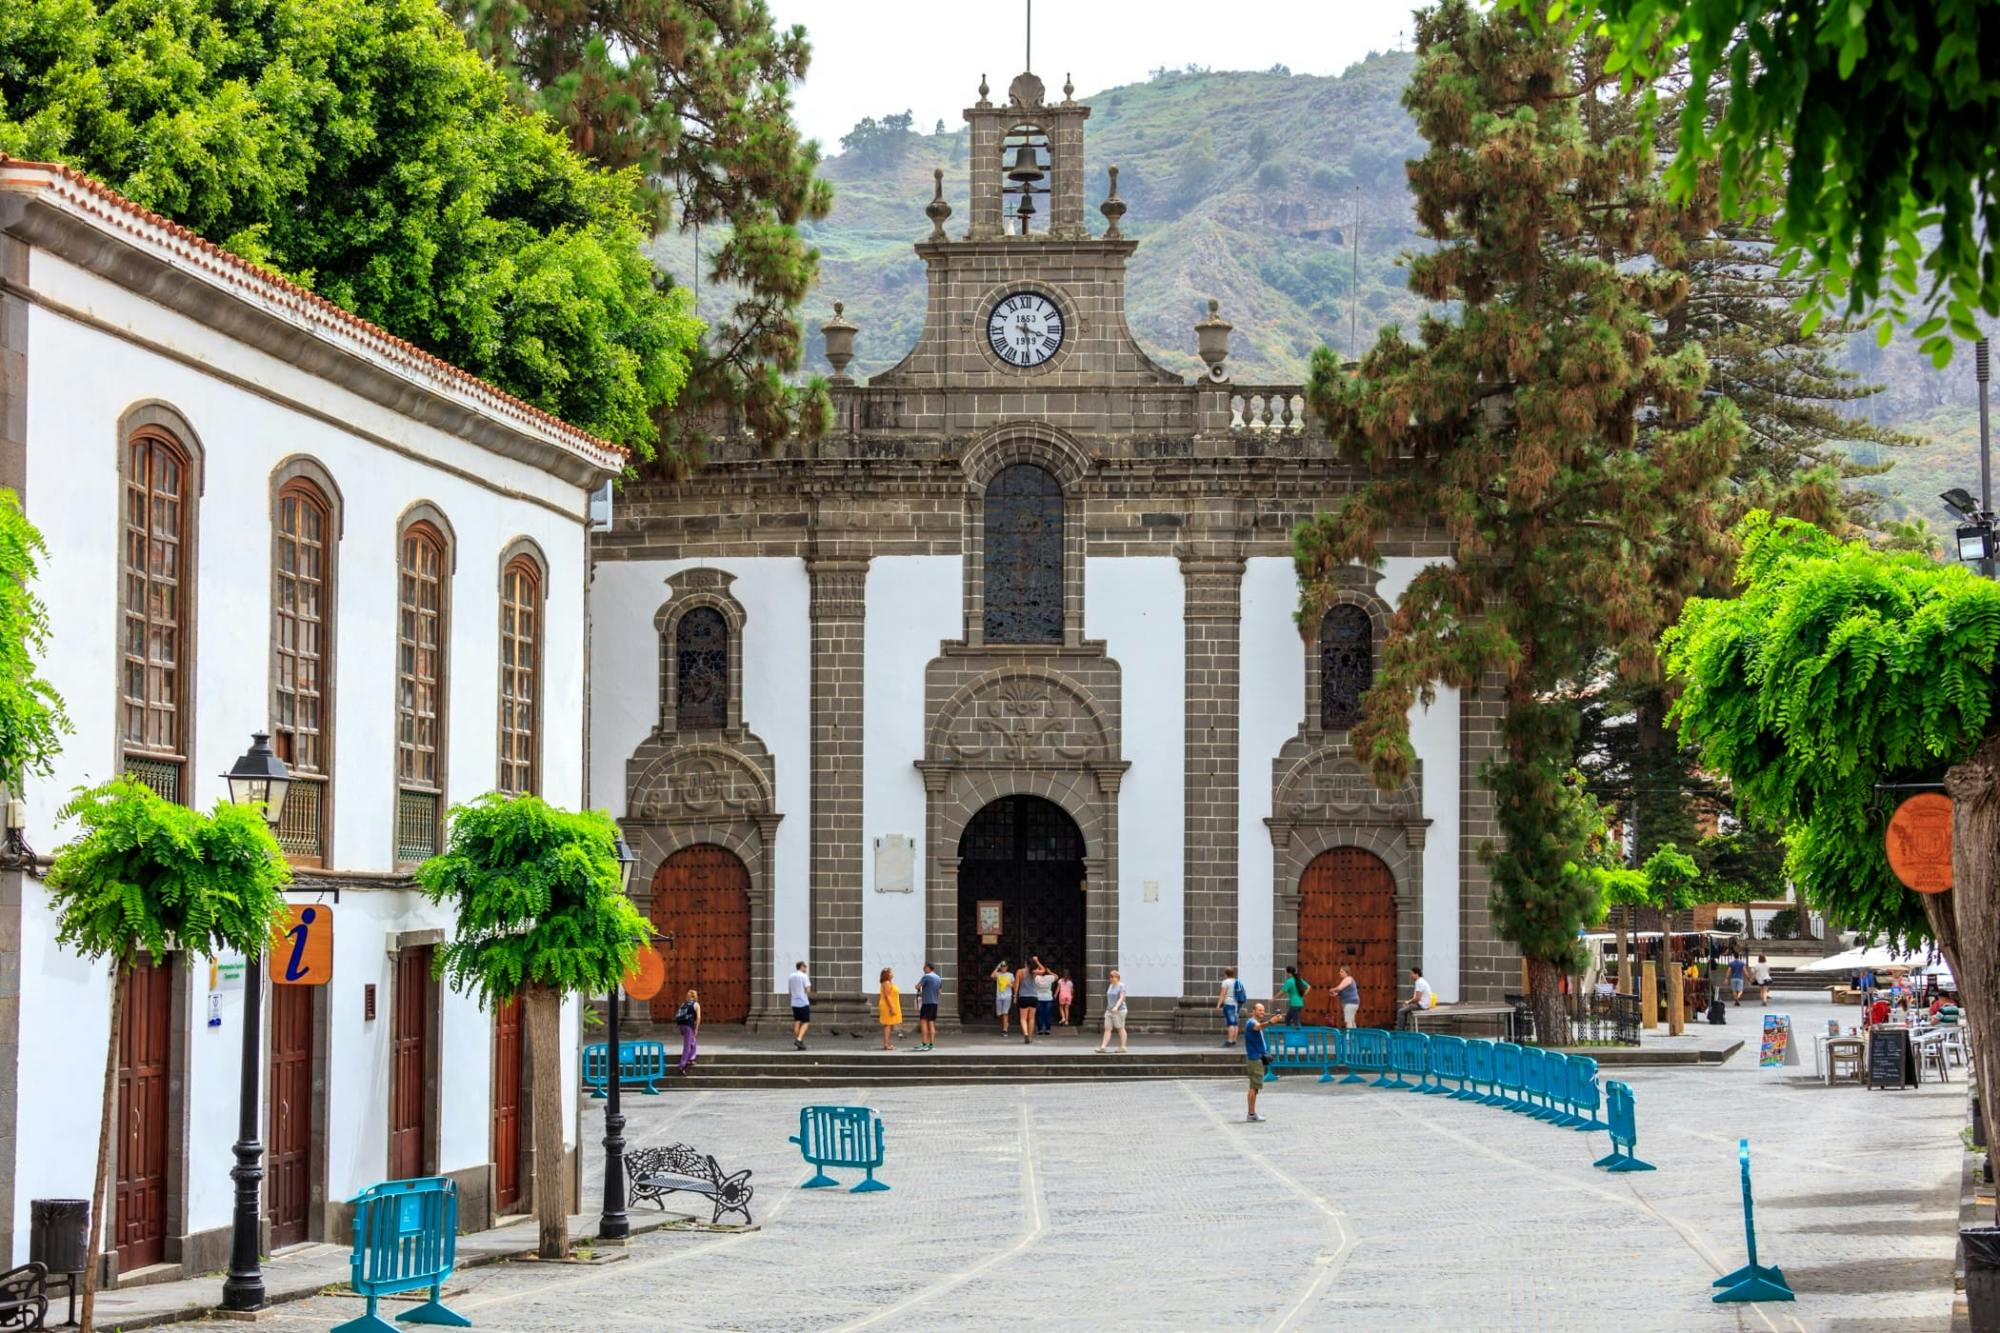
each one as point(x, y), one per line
point(1009, 142)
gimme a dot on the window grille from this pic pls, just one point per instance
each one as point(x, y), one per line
point(1024, 556)
point(520, 673)
point(1346, 665)
point(701, 670)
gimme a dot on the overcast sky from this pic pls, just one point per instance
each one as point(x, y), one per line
point(881, 57)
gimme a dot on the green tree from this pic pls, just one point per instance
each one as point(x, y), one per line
point(1838, 669)
point(359, 147)
point(695, 96)
point(1260, 146)
point(151, 878)
point(1514, 426)
point(1872, 121)
point(1197, 165)
point(32, 719)
point(883, 142)
point(541, 913)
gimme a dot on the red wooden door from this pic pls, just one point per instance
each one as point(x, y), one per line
point(507, 1108)
point(409, 1062)
point(1347, 918)
point(145, 1050)
point(701, 896)
point(288, 1175)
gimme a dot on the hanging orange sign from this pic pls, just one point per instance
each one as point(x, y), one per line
point(648, 974)
point(302, 949)
point(1919, 842)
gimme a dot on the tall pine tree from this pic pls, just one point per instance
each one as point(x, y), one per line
point(696, 95)
point(1578, 471)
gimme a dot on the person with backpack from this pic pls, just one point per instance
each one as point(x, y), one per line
point(688, 1019)
point(1230, 1002)
point(1294, 988)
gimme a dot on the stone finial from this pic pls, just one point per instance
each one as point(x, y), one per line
point(937, 210)
point(1025, 91)
point(839, 334)
point(1113, 208)
point(1212, 340)
point(1069, 89)
point(983, 91)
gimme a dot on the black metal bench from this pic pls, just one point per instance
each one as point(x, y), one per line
point(654, 1173)
point(24, 1301)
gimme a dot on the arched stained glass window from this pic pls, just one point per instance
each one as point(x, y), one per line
point(1024, 556)
point(1346, 665)
point(701, 670)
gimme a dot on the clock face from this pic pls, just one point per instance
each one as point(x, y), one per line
point(1025, 329)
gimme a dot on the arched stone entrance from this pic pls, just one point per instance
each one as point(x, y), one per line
point(1347, 918)
point(1022, 856)
point(701, 897)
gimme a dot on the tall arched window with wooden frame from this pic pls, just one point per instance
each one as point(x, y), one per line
point(159, 584)
point(302, 545)
point(422, 631)
point(1346, 665)
point(520, 674)
point(1024, 556)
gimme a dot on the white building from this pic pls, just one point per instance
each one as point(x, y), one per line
point(264, 514)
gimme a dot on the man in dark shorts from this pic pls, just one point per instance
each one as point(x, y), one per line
point(1253, 1057)
point(929, 987)
point(802, 1014)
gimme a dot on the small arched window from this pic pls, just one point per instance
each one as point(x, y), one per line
point(1024, 556)
point(701, 671)
point(520, 673)
point(1346, 665)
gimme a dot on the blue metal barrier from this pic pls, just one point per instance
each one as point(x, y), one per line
point(849, 1137)
point(1479, 1070)
point(1368, 1053)
point(1409, 1054)
point(1753, 1281)
point(1352, 1043)
point(641, 1064)
point(1534, 1081)
point(1301, 1048)
point(405, 1239)
point(1447, 1062)
point(1507, 1076)
point(1584, 1095)
point(1555, 1090)
point(1624, 1130)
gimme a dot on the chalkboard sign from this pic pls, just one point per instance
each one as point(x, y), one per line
point(1889, 1062)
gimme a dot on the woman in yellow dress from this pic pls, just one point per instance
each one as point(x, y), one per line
point(889, 1008)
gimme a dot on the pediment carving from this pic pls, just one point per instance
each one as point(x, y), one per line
point(700, 782)
point(1020, 717)
point(1330, 786)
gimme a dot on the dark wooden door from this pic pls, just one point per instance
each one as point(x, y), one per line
point(1027, 854)
point(409, 1062)
point(507, 1108)
point(145, 1060)
point(701, 896)
point(1347, 917)
point(288, 1174)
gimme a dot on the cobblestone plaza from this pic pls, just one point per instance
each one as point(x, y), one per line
point(1153, 1205)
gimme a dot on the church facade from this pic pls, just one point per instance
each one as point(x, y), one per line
point(1005, 664)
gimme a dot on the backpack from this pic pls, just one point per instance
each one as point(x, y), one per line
point(684, 1016)
point(1241, 994)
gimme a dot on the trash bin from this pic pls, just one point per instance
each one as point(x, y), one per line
point(59, 1234)
point(1982, 1276)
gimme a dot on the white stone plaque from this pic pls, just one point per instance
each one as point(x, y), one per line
point(895, 864)
point(1152, 889)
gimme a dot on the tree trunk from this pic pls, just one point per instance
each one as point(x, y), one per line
point(1966, 920)
point(1545, 997)
point(1676, 983)
point(541, 1012)
point(1625, 986)
point(100, 1207)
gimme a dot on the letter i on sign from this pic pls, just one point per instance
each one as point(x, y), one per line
point(302, 951)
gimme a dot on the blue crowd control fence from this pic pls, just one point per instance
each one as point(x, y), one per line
point(1479, 1070)
point(848, 1137)
point(1302, 1048)
point(1409, 1053)
point(1623, 1128)
point(1368, 1053)
point(1507, 1075)
point(1560, 1093)
point(1534, 1074)
point(405, 1239)
point(1753, 1281)
point(641, 1064)
point(1447, 1062)
point(1585, 1097)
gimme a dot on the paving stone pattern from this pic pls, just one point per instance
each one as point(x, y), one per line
point(1154, 1206)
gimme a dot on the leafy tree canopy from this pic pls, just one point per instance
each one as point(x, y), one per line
point(151, 876)
point(361, 148)
point(1871, 120)
point(1837, 667)
point(538, 899)
point(32, 720)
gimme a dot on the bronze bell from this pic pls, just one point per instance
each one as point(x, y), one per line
point(1027, 168)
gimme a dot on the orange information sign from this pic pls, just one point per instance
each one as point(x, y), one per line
point(1919, 842)
point(648, 974)
point(302, 951)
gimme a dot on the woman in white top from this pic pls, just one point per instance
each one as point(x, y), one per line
point(1114, 1013)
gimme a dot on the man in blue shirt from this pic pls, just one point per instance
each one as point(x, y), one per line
point(929, 987)
point(1253, 1057)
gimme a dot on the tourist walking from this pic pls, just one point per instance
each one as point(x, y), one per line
point(889, 1008)
point(1230, 1002)
point(930, 988)
point(1003, 994)
point(1254, 1058)
point(1421, 997)
point(1762, 973)
point(688, 1019)
point(802, 1014)
point(1114, 1013)
point(1294, 988)
point(1027, 996)
point(1735, 975)
point(1045, 999)
point(1065, 997)
point(1348, 990)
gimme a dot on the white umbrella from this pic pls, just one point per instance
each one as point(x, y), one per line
point(1855, 960)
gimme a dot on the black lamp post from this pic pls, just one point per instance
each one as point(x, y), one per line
point(259, 778)
point(612, 1224)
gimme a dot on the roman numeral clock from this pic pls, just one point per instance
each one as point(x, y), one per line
point(1025, 329)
